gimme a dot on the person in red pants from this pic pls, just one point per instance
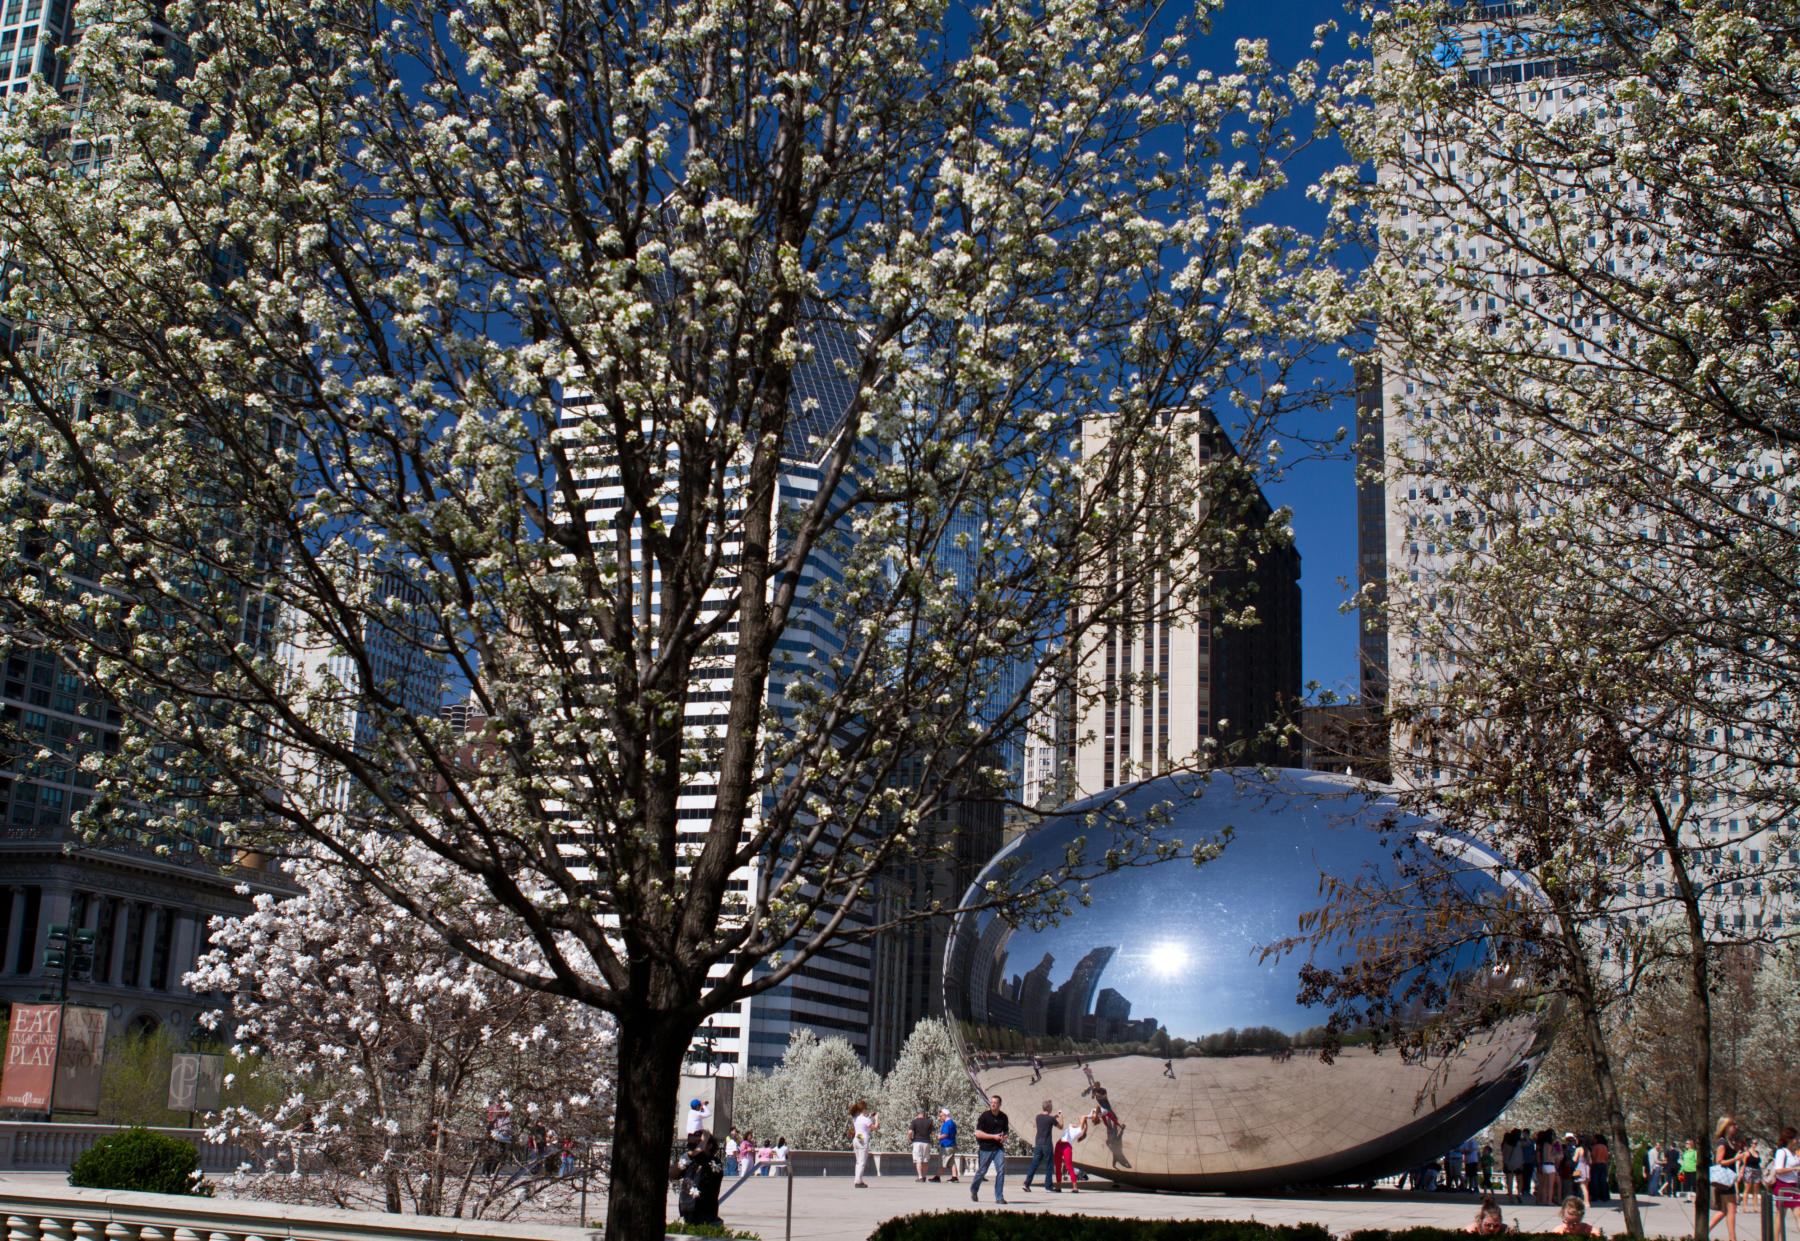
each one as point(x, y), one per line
point(1063, 1162)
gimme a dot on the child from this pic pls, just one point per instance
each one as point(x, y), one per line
point(1573, 1208)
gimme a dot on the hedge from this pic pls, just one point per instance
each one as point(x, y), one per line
point(1006, 1226)
point(1439, 1234)
point(141, 1161)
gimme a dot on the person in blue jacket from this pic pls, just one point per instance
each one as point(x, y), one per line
point(946, 1145)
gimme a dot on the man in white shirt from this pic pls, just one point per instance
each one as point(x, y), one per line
point(698, 1114)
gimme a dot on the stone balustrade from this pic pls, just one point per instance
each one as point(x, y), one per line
point(30, 1146)
point(106, 1215)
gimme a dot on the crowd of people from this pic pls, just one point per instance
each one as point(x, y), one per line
point(1544, 1168)
point(1539, 1167)
point(537, 1151)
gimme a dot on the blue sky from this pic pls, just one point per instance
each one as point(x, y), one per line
point(1322, 494)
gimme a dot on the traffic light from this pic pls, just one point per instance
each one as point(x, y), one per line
point(56, 949)
point(83, 950)
point(68, 951)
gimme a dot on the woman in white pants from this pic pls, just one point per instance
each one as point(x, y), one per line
point(863, 1124)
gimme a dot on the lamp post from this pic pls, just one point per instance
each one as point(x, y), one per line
point(68, 952)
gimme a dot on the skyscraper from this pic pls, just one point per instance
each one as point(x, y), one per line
point(835, 993)
point(1526, 254)
point(1172, 683)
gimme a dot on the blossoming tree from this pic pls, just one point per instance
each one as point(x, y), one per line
point(710, 377)
point(1582, 289)
point(394, 1048)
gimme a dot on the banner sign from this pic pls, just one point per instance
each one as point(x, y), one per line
point(194, 1081)
point(78, 1063)
point(30, 1072)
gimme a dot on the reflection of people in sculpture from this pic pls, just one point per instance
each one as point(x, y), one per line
point(1037, 1069)
point(1090, 1077)
point(1169, 1069)
point(1103, 1111)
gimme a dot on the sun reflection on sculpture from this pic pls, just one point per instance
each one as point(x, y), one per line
point(1148, 1009)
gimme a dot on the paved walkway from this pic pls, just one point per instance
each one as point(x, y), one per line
point(832, 1209)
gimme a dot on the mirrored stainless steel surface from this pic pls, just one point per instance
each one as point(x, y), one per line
point(1147, 1009)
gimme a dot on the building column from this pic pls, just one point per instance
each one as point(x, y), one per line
point(15, 929)
point(115, 967)
point(52, 909)
point(181, 951)
point(147, 945)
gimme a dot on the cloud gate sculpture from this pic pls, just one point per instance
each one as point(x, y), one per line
point(1148, 1003)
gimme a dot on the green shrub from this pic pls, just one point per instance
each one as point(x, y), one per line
point(140, 1160)
point(678, 1229)
point(1003, 1226)
point(1000, 1226)
point(1436, 1234)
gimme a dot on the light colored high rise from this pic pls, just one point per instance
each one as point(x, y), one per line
point(1171, 682)
point(837, 990)
point(1463, 210)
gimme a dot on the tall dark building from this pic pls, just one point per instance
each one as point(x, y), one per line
point(907, 963)
point(1170, 682)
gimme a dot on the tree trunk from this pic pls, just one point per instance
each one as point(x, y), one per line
point(1697, 977)
point(650, 1050)
point(1700, 985)
point(1600, 1062)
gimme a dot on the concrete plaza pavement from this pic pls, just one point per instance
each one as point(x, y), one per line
point(830, 1208)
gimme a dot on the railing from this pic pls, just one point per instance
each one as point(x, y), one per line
point(31, 1146)
point(103, 1215)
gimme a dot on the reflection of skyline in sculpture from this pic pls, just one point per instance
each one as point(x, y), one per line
point(1212, 1091)
point(1078, 1009)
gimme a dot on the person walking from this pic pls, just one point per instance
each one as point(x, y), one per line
point(1043, 1148)
point(732, 1139)
point(991, 1129)
point(921, 1132)
point(1063, 1160)
point(746, 1154)
point(1784, 1175)
point(1509, 1163)
point(781, 1157)
point(1600, 1170)
point(765, 1159)
point(1580, 1170)
point(1690, 1170)
point(1727, 1165)
point(1549, 1158)
point(947, 1144)
point(863, 1124)
point(1653, 1174)
point(1753, 1176)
